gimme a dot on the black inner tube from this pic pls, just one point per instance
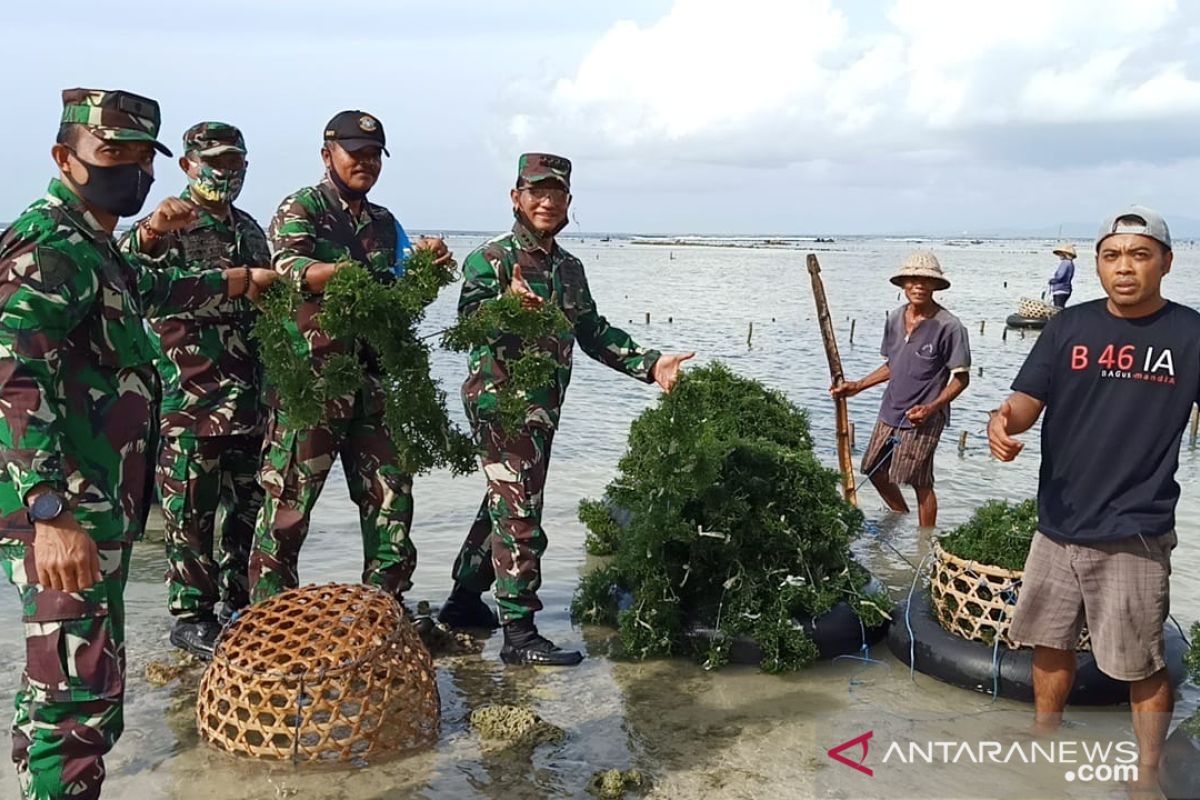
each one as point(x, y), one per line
point(837, 632)
point(969, 664)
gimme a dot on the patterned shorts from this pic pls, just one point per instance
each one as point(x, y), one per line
point(906, 453)
point(1120, 589)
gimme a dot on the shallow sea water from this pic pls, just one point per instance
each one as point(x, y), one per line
point(732, 734)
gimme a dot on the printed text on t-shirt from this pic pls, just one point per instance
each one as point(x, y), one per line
point(1120, 361)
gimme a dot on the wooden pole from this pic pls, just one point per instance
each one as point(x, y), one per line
point(845, 459)
point(1195, 424)
point(981, 327)
point(852, 444)
point(750, 334)
point(962, 442)
point(853, 322)
point(647, 317)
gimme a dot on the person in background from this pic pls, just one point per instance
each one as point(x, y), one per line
point(1060, 282)
point(505, 544)
point(927, 364)
point(210, 415)
point(1117, 378)
point(78, 397)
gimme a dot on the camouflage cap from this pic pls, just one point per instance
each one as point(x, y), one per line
point(534, 167)
point(115, 116)
point(212, 139)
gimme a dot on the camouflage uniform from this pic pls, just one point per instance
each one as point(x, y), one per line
point(316, 225)
point(78, 394)
point(211, 420)
point(506, 542)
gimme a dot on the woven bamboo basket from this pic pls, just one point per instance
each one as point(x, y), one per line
point(1035, 309)
point(976, 601)
point(329, 674)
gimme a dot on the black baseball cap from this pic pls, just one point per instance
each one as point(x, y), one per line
point(354, 130)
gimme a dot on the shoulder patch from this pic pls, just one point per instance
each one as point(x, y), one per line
point(54, 267)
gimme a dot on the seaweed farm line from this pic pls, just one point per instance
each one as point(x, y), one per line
point(735, 733)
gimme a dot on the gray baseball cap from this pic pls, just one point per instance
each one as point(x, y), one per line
point(1139, 220)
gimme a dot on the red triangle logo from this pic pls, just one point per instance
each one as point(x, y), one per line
point(836, 753)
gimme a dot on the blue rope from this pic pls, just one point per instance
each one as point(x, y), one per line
point(912, 639)
point(892, 441)
point(996, 668)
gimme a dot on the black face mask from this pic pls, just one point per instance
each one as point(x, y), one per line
point(348, 194)
point(120, 190)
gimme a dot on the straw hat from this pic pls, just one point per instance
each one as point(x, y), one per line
point(922, 264)
point(1066, 251)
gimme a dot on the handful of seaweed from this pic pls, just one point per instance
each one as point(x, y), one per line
point(733, 524)
point(384, 317)
point(533, 369)
point(998, 534)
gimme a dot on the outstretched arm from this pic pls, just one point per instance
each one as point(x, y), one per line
point(614, 347)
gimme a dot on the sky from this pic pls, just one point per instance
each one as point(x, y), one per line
point(681, 116)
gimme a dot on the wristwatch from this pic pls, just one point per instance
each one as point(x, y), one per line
point(46, 506)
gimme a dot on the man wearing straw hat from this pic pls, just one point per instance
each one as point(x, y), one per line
point(927, 365)
point(1117, 378)
point(1060, 282)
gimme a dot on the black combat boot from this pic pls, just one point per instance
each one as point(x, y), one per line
point(466, 609)
point(196, 636)
point(524, 645)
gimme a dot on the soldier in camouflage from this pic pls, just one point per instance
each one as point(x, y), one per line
point(316, 231)
point(506, 542)
point(210, 415)
point(78, 395)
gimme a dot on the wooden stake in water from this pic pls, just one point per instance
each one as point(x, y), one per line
point(981, 327)
point(1004, 334)
point(962, 442)
point(845, 460)
point(750, 334)
point(853, 446)
point(1195, 425)
point(853, 322)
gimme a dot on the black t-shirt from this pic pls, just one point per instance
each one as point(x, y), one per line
point(1118, 393)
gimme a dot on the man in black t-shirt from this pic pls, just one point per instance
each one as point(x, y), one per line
point(1117, 379)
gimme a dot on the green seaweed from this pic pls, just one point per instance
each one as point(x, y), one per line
point(734, 525)
point(514, 725)
point(381, 318)
point(997, 534)
point(533, 369)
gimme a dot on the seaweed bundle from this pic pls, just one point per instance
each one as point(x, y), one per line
point(729, 522)
point(998, 534)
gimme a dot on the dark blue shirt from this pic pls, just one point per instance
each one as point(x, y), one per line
point(1118, 393)
point(920, 364)
point(1061, 282)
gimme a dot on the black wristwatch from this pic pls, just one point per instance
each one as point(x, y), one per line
point(47, 506)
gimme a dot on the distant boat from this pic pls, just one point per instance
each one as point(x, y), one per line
point(606, 239)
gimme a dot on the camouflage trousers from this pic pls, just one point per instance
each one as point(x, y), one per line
point(197, 477)
point(506, 541)
point(69, 704)
point(295, 464)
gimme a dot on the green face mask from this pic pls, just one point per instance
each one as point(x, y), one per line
point(217, 185)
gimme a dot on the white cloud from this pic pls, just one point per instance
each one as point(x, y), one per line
point(788, 81)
